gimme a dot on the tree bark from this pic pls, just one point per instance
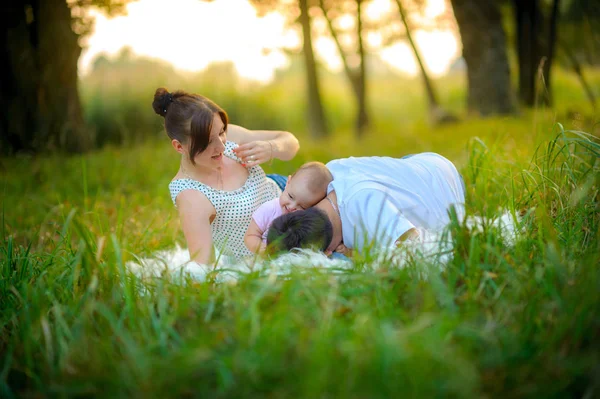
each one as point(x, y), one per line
point(536, 41)
point(357, 79)
point(362, 120)
point(550, 49)
point(437, 114)
point(431, 96)
point(17, 82)
point(528, 21)
point(316, 116)
point(39, 78)
point(575, 64)
point(484, 51)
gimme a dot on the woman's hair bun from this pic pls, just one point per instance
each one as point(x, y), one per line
point(162, 101)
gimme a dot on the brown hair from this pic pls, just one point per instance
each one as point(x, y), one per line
point(187, 116)
point(320, 176)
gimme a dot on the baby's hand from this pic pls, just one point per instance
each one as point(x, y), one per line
point(344, 250)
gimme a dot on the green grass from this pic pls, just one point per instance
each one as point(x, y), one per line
point(498, 321)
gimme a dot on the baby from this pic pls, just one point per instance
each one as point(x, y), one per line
point(305, 188)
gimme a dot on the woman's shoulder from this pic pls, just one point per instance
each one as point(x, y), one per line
point(179, 185)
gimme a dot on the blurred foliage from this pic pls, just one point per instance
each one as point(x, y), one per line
point(83, 22)
point(579, 30)
point(117, 94)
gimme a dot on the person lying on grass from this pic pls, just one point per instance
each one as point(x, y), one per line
point(378, 200)
point(304, 189)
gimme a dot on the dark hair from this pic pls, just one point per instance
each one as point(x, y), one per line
point(187, 116)
point(301, 229)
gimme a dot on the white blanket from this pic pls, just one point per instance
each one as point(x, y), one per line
point(433, 249)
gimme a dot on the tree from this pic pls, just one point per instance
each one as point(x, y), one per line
point(356, 74)
point(316, 116)
point(38, 90)
point(536, 36)
point(484, 51)
point(297, 11)
point(579, 35)
point(436, 113)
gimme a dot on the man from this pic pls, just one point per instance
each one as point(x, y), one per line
point(375, 199)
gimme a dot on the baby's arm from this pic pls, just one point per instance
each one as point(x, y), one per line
point(253, 238)
point(261, 219)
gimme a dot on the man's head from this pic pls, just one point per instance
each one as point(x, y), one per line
point(306, 187)
point(310, 228)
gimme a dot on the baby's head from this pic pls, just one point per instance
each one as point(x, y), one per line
point(306, 187)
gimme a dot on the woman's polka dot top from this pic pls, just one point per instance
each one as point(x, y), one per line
point(234, 208)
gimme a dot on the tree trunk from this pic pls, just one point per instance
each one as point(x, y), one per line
point(484, 51)
point(536, 40)
point(431, 96)
point(550, 47)
point(357, 79)
point(316, 116)
point(39, 78)
point(579, 72)
point(529, 49)
point(436, 113)
point(17, 82)
point(362, 121)
point(60, 116)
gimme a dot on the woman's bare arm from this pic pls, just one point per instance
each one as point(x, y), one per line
point(264, 145)
point(195, 212)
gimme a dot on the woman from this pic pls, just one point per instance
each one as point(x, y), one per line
point(219, 183)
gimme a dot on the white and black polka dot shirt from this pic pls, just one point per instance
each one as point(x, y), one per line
point(234, 208)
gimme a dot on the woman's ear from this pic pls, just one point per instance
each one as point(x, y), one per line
point(178, 146)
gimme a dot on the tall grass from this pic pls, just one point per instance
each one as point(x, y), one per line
point(501, 319)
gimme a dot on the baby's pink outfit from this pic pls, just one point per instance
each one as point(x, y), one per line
point(265, 214)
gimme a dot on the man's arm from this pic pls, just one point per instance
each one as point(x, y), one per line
point(377, 219)
point(409, 235)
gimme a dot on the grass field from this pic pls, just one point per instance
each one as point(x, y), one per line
point(499, 321)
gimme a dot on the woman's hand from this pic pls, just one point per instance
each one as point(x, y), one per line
point(255, 152)
point(263, 145)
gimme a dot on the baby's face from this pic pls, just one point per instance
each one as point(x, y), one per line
point(296, 195)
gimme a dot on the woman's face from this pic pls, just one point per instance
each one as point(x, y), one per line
point(212, 156)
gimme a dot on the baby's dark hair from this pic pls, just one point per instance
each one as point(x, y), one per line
point(309, 228)
point(320, 176)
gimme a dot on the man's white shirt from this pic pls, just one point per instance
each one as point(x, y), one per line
point(381, 198)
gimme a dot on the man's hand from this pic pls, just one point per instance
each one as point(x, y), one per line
point(410, 234)
point(344, 250)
